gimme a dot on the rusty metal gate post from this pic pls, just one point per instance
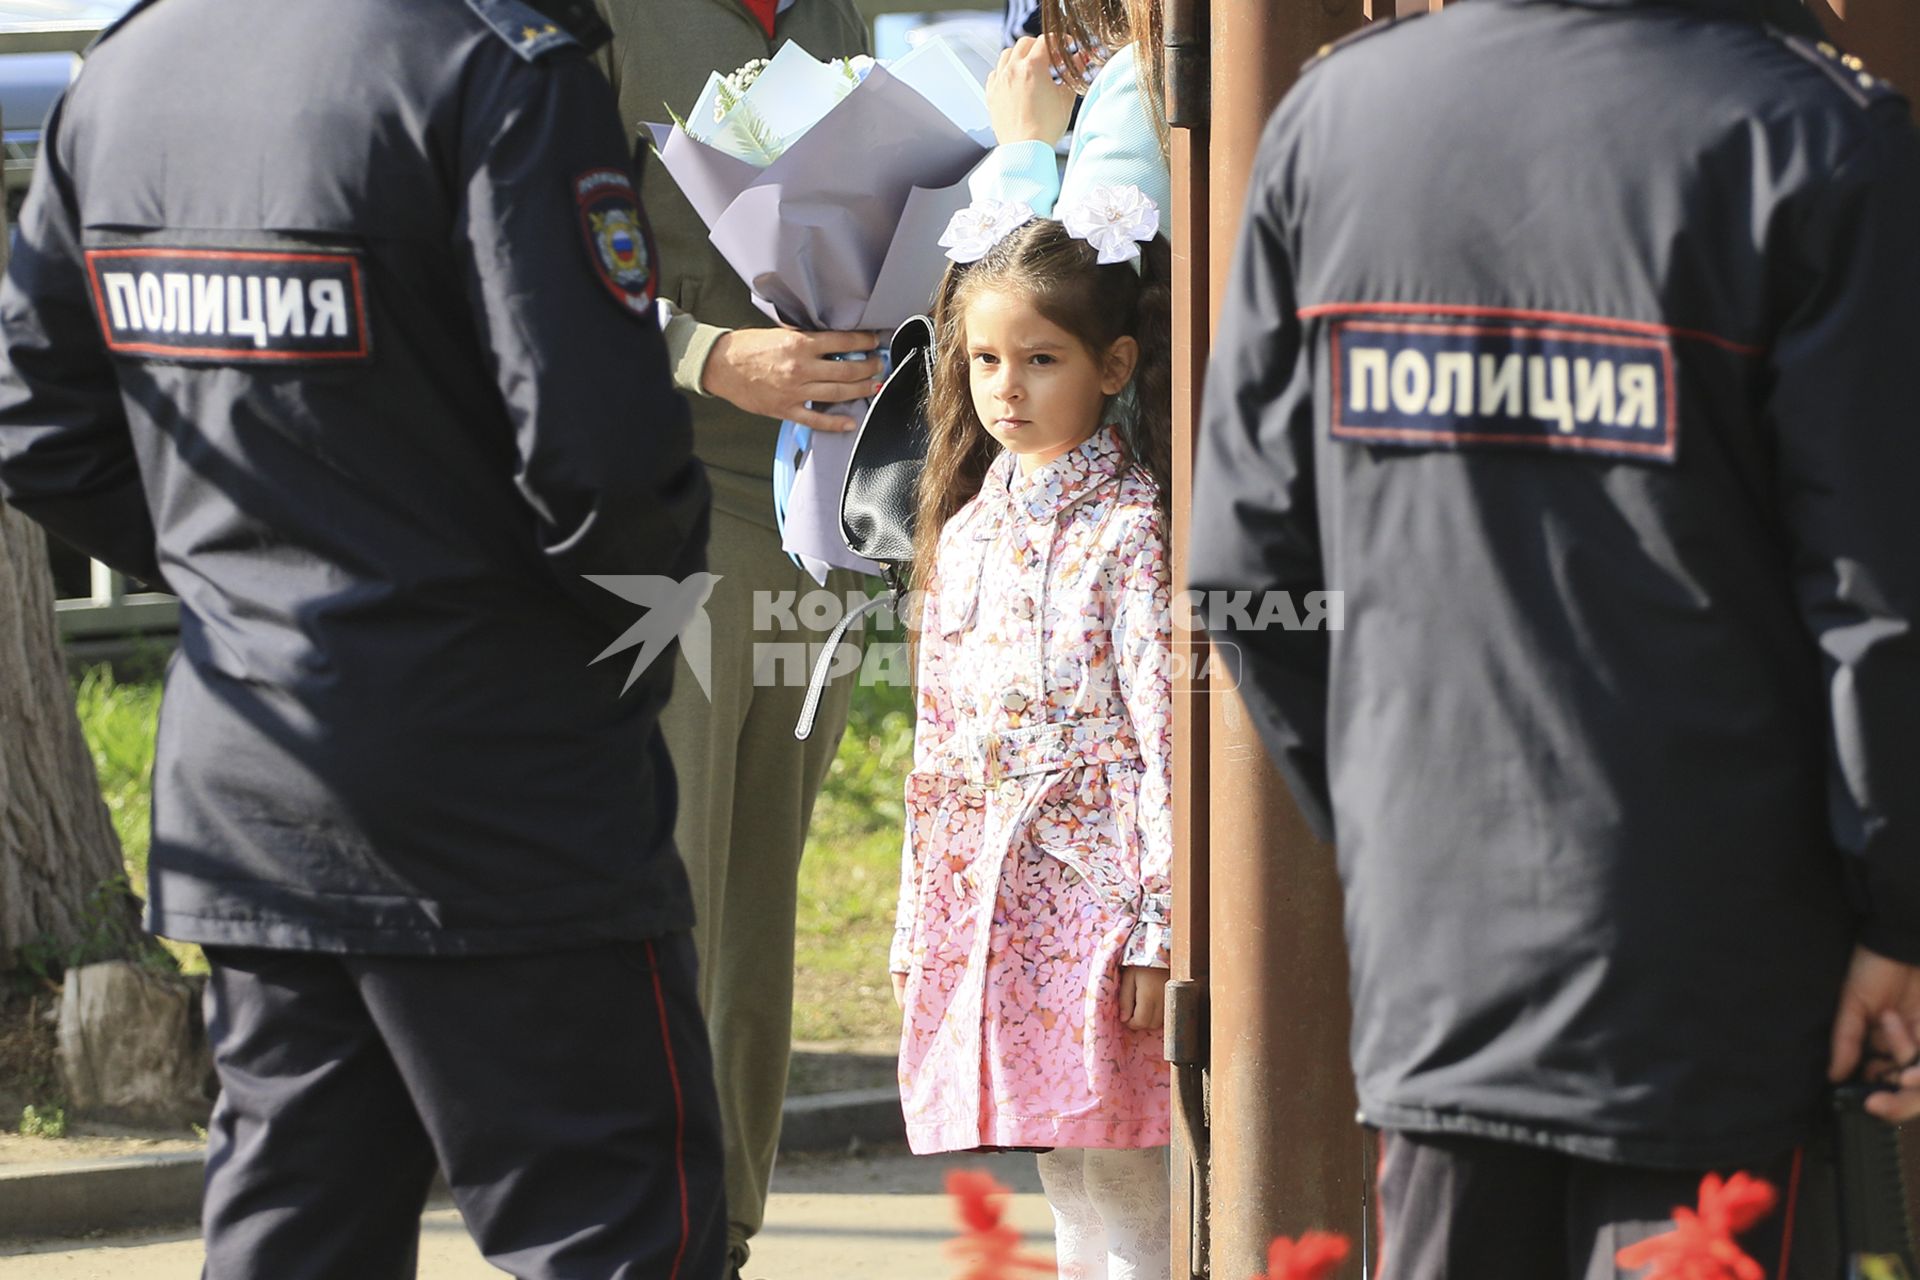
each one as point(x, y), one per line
point(1257, 1024)
point(1187, 100)
point(1285, 1154)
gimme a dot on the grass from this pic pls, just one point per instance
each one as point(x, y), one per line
point(119, 722)
point(119, 719)
point(848, 878)
point(43, 1122)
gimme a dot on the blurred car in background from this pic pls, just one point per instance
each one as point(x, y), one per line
point(40, 44)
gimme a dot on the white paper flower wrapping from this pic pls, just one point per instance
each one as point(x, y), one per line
point(825, 186)
point(1116, 221)
point(980, 226)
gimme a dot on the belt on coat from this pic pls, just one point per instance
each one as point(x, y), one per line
point(982, 756)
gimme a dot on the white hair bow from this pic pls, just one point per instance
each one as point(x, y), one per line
point(981, 225)
point(1116, 221)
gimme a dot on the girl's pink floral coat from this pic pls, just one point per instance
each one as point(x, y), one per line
point(1039, 814)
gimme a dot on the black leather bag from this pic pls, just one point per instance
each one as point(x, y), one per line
point(883, 479)
point(883, 488)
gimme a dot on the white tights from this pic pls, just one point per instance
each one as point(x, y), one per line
point(1111, 1215)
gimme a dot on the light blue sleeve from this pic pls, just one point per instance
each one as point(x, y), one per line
point(1028, 171)
point(1114, 145)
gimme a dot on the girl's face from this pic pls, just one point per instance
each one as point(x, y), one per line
point(1036, 386)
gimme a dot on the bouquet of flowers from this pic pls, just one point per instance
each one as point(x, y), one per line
point(826, 186)
point(757, 122)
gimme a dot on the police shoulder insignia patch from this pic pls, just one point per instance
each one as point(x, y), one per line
point(619, 242)
point(1844, 69)
point(529, 32)
point(1332, 47)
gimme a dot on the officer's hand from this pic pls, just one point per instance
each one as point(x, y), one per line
point(1143, 996)
point(1024, 100)
point(1879, 1020)
point(774, 372)
point(900, 990)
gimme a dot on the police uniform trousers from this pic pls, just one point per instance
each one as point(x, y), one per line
point(567, 1095)
point(747, 789)
point(1461, 1208)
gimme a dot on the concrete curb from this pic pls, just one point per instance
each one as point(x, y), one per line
point(124, 1193)
point(116, 1194)
point(830, 1121)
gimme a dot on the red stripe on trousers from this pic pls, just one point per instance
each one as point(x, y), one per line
point(679, 1115)
point(1793, 1202)
point(1380, 1208)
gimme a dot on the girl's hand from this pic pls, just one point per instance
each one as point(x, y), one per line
point(1024, 100)
point(900, 990)
point(1143, 996)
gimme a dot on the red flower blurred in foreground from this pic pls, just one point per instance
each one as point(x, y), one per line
point(1314, 1257)
point(1700, 1246)
point(988, 1248)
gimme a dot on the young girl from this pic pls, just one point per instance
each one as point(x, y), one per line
point(1031, 950)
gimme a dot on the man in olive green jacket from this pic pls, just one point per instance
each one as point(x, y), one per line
point(747, 787)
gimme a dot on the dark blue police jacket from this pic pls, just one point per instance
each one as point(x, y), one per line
point(1574, 340)
point(336, 319)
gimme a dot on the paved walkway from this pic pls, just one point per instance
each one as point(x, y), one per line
point(830, 1219)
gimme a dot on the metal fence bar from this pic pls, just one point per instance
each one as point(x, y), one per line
point(48, 37)
point(108, 609)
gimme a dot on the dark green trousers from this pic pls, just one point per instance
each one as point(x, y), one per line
point(747, 788)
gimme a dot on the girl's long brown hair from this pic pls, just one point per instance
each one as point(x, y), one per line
point(1096, 304)
point(1092, 23)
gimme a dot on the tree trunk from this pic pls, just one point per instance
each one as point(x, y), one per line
point(61, 869)
point(60, 860)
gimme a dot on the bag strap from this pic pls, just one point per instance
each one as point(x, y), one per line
point(822, 669)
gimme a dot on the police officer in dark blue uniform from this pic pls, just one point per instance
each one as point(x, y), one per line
point(336, 320)
point(1593, 392)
